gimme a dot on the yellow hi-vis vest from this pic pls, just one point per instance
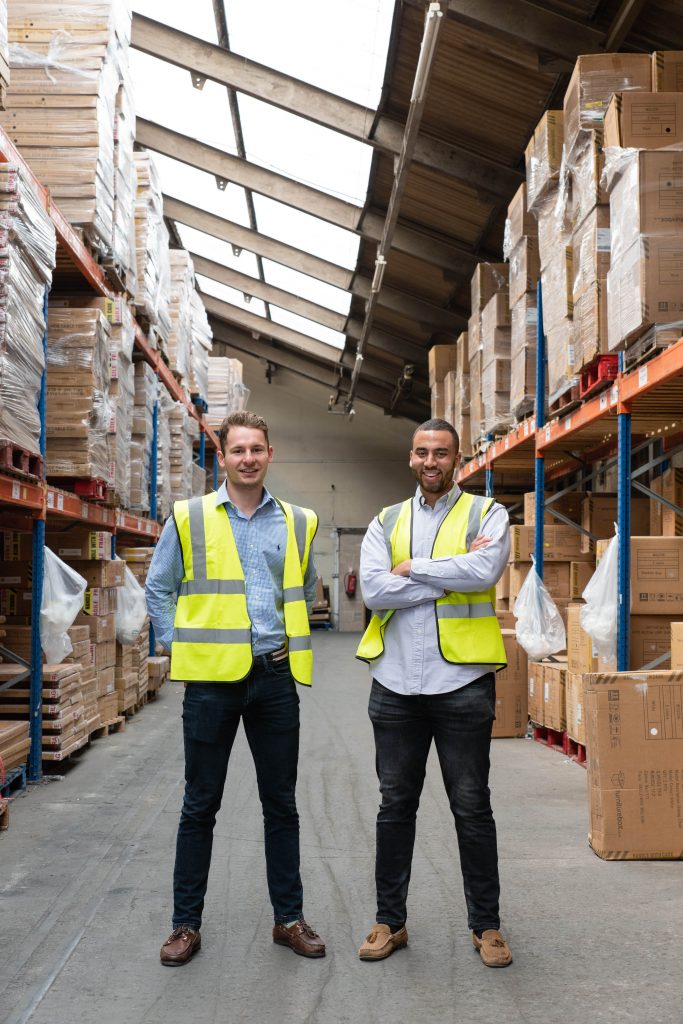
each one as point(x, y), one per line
point(467, 626)
point(212, 628)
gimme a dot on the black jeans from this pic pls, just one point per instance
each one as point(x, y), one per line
point(460, 724)
point(268, 704)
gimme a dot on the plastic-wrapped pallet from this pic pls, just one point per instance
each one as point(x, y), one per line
point(27, 255)
point(166, 404)
point(184, 431)
point(144, 396)
point(4, 53)
point(77, 409)
point(153, 272)
point(198, 378)
point(65, 72)
point(180, 307)
point(226, 391)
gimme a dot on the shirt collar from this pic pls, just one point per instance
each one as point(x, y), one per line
point(223, 498)
point(446, 501)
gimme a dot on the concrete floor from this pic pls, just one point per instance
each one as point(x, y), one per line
point(85, 891)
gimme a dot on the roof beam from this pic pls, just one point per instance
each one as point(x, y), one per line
point(227, 336)
point(209, 61)
point(519, 19)
point(228, 168)
point(622, 23)
point(425, 313)
point(341, 322)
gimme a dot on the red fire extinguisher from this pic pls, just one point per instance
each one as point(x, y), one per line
point(350, 583)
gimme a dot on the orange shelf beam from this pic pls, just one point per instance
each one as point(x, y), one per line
point(661, 368)
point(512, 440)
point(590, 412)
point(70, 506)
point(126, 522)
point(21, 494)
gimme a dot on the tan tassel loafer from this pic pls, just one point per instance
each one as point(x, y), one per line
point(380, 943)
point(493, 949)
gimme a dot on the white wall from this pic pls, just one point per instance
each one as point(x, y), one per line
point(346, 470)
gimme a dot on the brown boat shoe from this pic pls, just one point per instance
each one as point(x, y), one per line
point(300, 938)
point(493, 949)
point(180, 946)
point(380, 943)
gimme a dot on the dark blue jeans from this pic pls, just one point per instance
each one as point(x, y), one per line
point(460, 724)
point(268, 704)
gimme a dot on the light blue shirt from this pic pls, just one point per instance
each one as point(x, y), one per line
point(261, 540)
point(411, 663)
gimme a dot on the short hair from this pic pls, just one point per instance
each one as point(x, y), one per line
point(438, 424)
point(243, 418)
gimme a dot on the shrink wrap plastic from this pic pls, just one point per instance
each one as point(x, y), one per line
point(164, 500)
point(540, 629)
point(27, 259)
point(63, 590)
point(153, 277)
point(146, 388)
point(198, 382)
point(180, 308)
point(227, 393)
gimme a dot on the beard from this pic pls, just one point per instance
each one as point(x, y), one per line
point(435, 485)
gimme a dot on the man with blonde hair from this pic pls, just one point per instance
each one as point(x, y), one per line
point(228, 592)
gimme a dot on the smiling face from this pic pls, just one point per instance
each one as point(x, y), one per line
point(433, 460)
point(246, 458)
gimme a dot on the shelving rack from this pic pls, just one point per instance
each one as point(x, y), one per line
point(39, 500)
point(640, 411)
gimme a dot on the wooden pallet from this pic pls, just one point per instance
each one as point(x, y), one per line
point(563, 403)
point(18, 461)
point(89, 488)
point(108, 728)
point(4, 814)
point(645, 348)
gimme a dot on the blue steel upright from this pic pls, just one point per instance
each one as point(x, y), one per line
point(35, 758)
point(624, 543)
point(215, 470)
point(539, 468)
point(202, 449)
point(489, 472)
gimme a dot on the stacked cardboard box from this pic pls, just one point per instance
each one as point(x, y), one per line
point(567, 568)
point(104, 577)
point(126, 678)
point(145, 388)
point(227, 392)
point(125, 177)
point(63, 710)
point(461, 395)
point(27, 254)
point(521, 249)
point(547, 693)
point(78, 409)
point(634, 730)
point(495, 364)
point(60, 107)
point(4, 54)
point(159, 671)
point(164, 499)
point(153, 272)
point(141, 660)
point(442, 360)
point(201, 341)
point(184, 430)
point(664, 521)
point(15, 742)
point(511, 690)
point(180, 308)
point(488, 280)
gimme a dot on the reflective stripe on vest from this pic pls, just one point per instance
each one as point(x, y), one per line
point(467, 627)
point(212, 628)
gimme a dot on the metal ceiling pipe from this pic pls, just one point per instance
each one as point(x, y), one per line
point(434, 19)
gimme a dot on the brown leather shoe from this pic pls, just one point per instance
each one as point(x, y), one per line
point(380, 943)
point(180, 947)
point(300, 938)
point(493, 949)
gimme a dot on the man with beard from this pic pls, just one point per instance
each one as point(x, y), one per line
point(428, 571)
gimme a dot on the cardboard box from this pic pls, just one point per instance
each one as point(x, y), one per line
point(644, 120)
point(488, 278)
point(535, 691)
point(441, 359)
point(557, 278)
point(102, 627)
point(561, 353)
point(101, 574)
point(649, 638)
point(438, 400)
point(677, 645)
point(569, 505)
point(560, 544)
point(586, 165)
point(80, 543)
point(579, 644)
point(664, 521)
point(594, 80)
point(520, 221)
point(511, 690)
point(506, 619)
point(106, 681)
point(634, 732)
point(591, 249)
point(523, 380)
point(543, 156)
point(644, 287)
point(657, 575)
point(667, 71)
point(525, 268)
point(575, 692)
point(599, 514)
point(591, 324)
point(646, 198)
point(556, 576)
point(554, 696)
point(579, 576)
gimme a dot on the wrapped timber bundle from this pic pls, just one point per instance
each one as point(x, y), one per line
point(153, 271)
point(226, 392)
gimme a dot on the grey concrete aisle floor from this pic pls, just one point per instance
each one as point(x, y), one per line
point(85, 875)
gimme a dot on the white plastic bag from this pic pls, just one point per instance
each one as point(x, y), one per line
point(131, 609)
point(63, 590)
point(599, 614)
point(540, 629)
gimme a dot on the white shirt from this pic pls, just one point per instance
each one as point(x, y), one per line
point(412, 663)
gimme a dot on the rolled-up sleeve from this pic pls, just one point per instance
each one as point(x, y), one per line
point(163, 580)
point(379, 587)
point(475, 571)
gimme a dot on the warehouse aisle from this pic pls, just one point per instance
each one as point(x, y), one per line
point(85, 891)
